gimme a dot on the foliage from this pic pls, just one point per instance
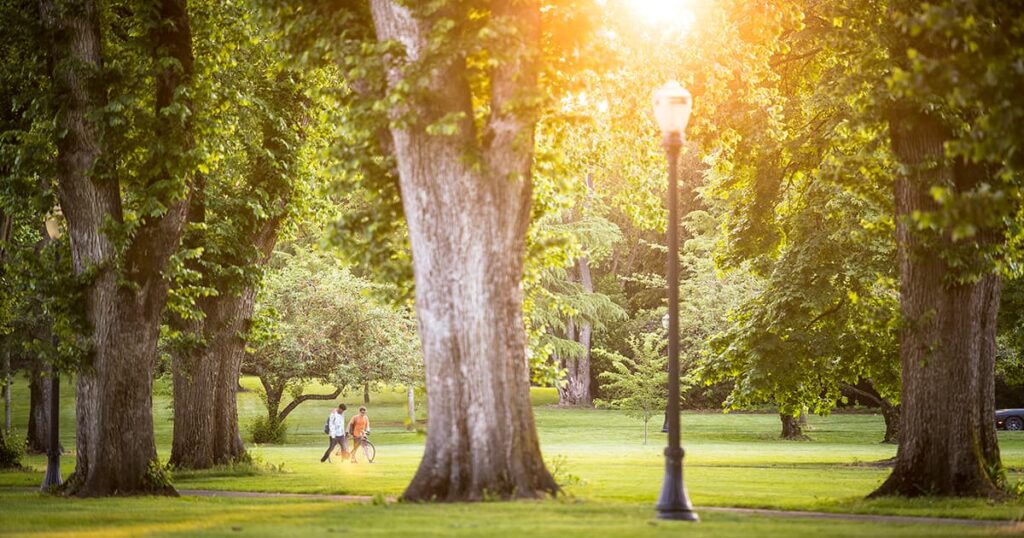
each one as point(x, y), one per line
point(555, 296)
point(267, 430)
point(12, 449)
point(157, 476)
point(1010, 339)
point(803, 181)
point(38, 293)
point(639, 385)
point(317, 321)
point(261, 131)
point(960, 61)
point(559, 467)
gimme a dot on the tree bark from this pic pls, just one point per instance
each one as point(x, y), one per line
point(576, 391)
point(303, 399)
point(7, 390)
point(273, 393)
point(467, 220)
point(411, 397)
point(947, 341)
point(6, 224)
point(891, 414)
point(791, 429)
point(206, 431)
point(38, 440)
point(366, 393)
point(116, 451)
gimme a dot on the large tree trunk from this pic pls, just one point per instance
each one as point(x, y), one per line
point(6, 224)
point(206, 429)
point(124, 301)
point(891, 414)
point(947, 341)
point(467, 221)
point(576, 390)
point(38, 441)
point(7, 390)
point(791, 429)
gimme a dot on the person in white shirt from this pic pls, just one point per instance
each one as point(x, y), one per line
point(336, 429)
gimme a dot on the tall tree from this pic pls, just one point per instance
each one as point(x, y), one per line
point(122, 232)
point(937, 78)
point(465, 180)
point(953, 108)
point(564, 307)
point(235, 217)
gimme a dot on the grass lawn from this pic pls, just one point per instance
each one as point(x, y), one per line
point(612, 480)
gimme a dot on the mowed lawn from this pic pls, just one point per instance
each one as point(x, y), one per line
point(611, 479)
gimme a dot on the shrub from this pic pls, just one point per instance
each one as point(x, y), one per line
point(266, 431)
point(12, 448)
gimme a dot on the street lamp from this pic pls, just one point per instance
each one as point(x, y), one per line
point(52, 478)
point(672, 106)
point(664, 424)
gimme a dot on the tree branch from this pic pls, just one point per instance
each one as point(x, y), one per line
point(825, 314)
point(864, 394)
point(304, 398)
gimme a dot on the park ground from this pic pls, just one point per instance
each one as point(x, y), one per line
point(610, 477)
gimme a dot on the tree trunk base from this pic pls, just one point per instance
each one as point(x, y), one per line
point(425, 488)
point(899, 484)
point(791, 430)
point(75, 487)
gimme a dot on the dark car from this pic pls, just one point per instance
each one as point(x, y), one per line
point(1010, 419)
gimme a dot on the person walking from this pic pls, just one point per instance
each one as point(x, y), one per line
point(358, 427)
point(336, 430)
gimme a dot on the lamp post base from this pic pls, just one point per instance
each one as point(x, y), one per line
point(674, 502)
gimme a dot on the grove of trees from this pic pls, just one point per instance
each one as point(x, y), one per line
point(468, 196)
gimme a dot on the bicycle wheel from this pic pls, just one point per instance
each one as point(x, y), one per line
point(369, 450)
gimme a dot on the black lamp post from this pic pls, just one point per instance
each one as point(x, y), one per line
point(672, 105)
point(52, 478)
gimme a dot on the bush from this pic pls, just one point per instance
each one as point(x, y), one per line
point(12, 448)
point(267, 431)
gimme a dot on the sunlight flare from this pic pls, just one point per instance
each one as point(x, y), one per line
point(670, 14)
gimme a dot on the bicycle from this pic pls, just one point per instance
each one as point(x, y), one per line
point(369, 450)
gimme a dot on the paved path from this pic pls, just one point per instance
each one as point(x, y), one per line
point(867, 518)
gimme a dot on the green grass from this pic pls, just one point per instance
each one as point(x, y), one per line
point(732, 460)
point(111, 518)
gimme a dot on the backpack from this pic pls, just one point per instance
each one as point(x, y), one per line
point(327, 425)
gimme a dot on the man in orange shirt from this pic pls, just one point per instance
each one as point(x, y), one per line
point(358, 427)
